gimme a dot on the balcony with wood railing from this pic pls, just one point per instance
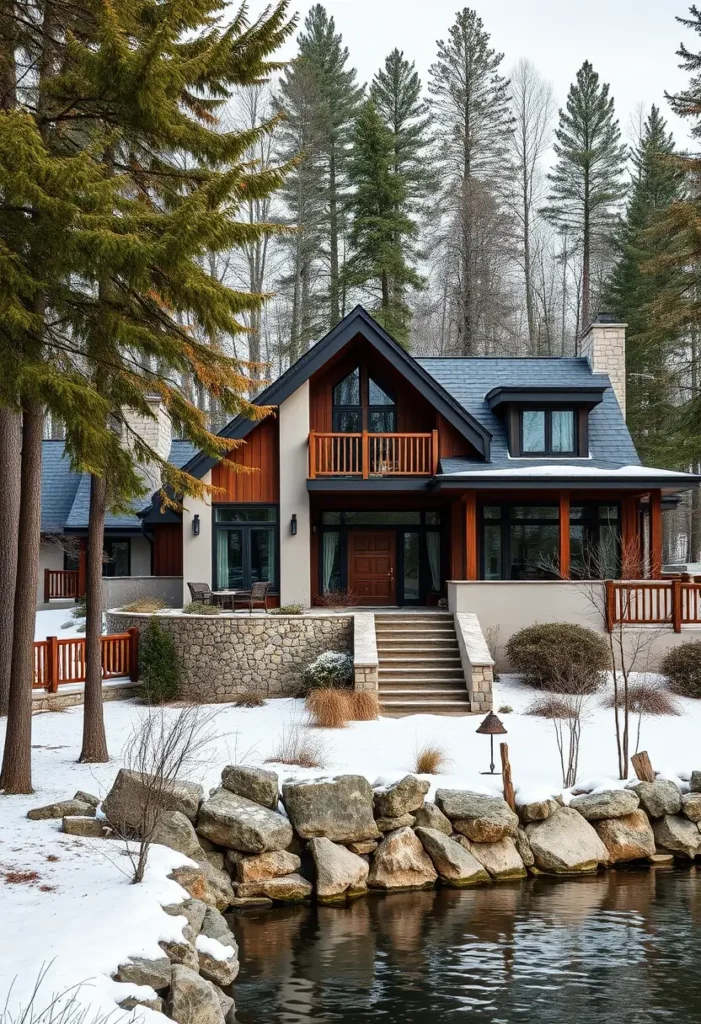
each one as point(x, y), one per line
point(370, 456)
point(674, 603)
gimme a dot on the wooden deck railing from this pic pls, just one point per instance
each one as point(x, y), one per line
point(673, 603)
point(58, 662)
point(368, 455)
point(61, 583)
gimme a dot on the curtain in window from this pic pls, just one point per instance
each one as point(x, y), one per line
point(433, 546)
point(330, 557)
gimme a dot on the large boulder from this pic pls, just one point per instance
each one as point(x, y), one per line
point(565, 843)
point(677, 834)
point(537, 810)
point(62, 809)
point(88, 828)
point(403, 797)
point(86, 798)
point(290, 889)
point(218, 961)
point(266, 865)
point(613, 803)
point(181, 952)
point(241, 824)
point(455, 865)
point(695, 782)
point(430, 816)
point(205, 883)
point(483, 819)
point(691, 806)
point(339, 873)
point(501, 860)
point(524, 848)
point(194, 912)
point(400, 862)
point(136, 800)
point(192, 999)
point(392, 824)
point(255, 784)
point(338, 809)
point(139, 971)
point(659, 798)
point(176, 831)
point(629, 837)
point(214, 926)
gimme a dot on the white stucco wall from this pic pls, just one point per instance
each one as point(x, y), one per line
point(197, 551)
point(295, 552)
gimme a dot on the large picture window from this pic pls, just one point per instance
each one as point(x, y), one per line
point(548, 432)
point(520, 542)
point(360, 402)
point(595, 541)
point(245, 546)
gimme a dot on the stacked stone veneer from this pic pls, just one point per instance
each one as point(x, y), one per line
point(222, 655)
point(477, 662)
point(365, 659)
point(604, 345)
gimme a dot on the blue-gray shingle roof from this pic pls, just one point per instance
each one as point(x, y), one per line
point(65, 495)
point(469, 380)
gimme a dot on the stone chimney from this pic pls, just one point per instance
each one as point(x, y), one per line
point(156, 431)
point(604, 345)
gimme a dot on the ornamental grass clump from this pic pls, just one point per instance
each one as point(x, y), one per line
point(431, 759)
point(331, 669)
point(560, 656)
point(682, 666)
point(199, 608)
point(365, 707)
point(329, 708)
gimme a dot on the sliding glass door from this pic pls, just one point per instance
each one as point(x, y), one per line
point(245, 546)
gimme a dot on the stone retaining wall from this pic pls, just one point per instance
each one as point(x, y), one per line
point(477, 662)
point(366, 661)
point(222, 655)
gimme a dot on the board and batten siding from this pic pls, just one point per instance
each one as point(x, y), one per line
point(258, 457)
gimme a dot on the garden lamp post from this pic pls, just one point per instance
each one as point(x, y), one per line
point(491, 726)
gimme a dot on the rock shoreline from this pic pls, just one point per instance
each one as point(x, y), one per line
point(335, 840)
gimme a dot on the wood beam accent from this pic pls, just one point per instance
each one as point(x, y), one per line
point(565, 534)
point(631, 562)
point(656, 534)
point(470, 500)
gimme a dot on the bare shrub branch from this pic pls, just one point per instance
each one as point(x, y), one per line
point(299, 746)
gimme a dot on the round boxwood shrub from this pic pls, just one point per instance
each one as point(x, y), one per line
point(330, 669)
point(560, 656)
point(682, 666)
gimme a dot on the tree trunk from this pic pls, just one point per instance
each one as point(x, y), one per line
point(17, 760)
point(334, 291)
point(10, 491)
point(94, 739)
point(586, 258)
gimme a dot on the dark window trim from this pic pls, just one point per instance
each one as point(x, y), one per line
point(548, 452)
point(364, 407)
point(274, 528)
point(505, 521)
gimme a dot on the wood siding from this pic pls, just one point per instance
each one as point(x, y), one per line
point(168, 549)
point(259, 457)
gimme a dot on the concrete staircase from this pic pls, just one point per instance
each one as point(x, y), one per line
point(420, 671)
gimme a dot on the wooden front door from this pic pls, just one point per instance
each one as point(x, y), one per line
point(372, 562)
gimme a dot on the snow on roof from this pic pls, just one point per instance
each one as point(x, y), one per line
point(560, 470)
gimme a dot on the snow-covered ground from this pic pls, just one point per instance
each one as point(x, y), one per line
point(58, 622)
point(67, 903)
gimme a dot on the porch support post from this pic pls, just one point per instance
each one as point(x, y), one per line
point(470, 500)
point(656, 534)
point(631, 561)
point(565, 534)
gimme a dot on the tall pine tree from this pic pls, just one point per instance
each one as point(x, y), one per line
point(380, 226)
point(585, 186)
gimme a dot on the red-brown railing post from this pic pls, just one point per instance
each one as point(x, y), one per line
point(434, 453)
point(677, 605)
point(52, 664)
point(47, 586)
point(133, 653)
point(610, 605)
point(312, 455)
point(366, 455)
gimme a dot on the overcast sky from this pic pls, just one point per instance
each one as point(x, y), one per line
point(631, 43)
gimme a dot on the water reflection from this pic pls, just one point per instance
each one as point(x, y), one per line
point(621, 947)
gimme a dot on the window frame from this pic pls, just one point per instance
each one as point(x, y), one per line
point(111, 541)
point(365, 409)
point(246, 527)
point(547, 451)
point(505, 521)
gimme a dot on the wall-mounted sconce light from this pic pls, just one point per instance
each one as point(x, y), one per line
point(196, 526)
point(293, 525)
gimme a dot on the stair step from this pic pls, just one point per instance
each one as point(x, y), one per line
point(432, 670)
point(411, 693)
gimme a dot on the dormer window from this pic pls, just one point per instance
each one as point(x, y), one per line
point(547, 432)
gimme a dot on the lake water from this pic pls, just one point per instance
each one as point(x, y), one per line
point(618, 948)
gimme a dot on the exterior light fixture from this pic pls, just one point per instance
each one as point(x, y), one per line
point(195, 526)
point(293, 524)
point(491, 726)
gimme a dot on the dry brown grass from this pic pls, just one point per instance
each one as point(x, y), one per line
point(365, 707)
point(551, 707)
point(298, 745)
point(431, 760)
point(146, 605)
point(248, 700)
point(21, 877)
point(647, 699)
point(329, 708)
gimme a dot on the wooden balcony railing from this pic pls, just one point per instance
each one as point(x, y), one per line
point(61, 583)
point(367, 455)
point(57, 662)
point(673, 603)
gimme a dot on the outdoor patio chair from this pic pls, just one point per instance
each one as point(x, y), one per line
point(201, 592)
point(258, 594)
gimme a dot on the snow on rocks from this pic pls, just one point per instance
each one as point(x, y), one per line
point(241, 824)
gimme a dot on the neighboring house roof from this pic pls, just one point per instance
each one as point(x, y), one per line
point(65, 495)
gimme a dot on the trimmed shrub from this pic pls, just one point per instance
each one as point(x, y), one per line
point(682, 666)
point(329, 708)
point(365, 707)
point(560, 656)
point(159, 668)
point(198, 608)
point(332, 668)
point(145, 604)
